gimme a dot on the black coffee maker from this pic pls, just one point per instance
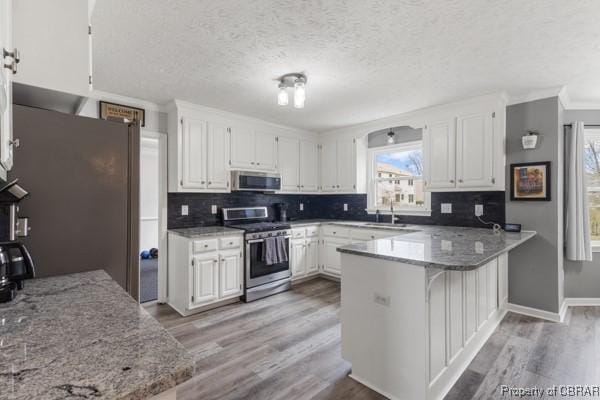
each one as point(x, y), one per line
point(16, 265)
point(15, 261)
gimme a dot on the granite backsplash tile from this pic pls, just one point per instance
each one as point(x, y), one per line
point(332, 206)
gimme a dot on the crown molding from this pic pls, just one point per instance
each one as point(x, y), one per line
point(538, 95)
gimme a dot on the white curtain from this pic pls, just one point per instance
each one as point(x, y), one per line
point(579, 247)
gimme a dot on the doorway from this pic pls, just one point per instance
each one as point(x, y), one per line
point(152, 202)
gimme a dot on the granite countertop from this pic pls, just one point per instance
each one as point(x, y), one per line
point(82, 336)
point(441, 247)
point(200, 231)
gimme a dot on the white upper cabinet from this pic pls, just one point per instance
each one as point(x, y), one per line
point(309, 166)
point(53, 38)
point(474, 144)
point(289, 164)
point(6, 76)
point(253, 150)
point(346, 165)
point(242, 147)
point(193, 133)
point(298, 165)
point(217, 173)
point(265, 151)
point(339, 160)
point(198, 154)
point(439, 139)
point(464, 149)
point(329, 166)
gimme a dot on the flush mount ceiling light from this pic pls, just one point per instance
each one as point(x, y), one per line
point(296, 81)
point(391, 135)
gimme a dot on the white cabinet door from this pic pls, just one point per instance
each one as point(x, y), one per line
point(242, 147)
point(193, 151)
point(205, 280)
point(329, 166)
point(502, 280)
point(53, 38)
point(470, 304)
point(440, 150)
point(474, 150)
point(289, 164)
point(298, 258)
point(331, 257)
point(265, 151)
point(6, 131)
point(346, 159)
point(230, 274)
point(309, 166)
point(217, 157)
point(312, 255)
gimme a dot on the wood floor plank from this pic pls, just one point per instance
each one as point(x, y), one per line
point(288, 346)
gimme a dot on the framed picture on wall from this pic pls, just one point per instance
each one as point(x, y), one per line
point(121, 112)
point(530, 181)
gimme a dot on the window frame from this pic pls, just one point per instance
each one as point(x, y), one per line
point(593, 133)
point(372, 180)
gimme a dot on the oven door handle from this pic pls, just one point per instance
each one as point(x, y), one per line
point(262, 240)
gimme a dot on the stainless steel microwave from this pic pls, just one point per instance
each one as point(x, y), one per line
point(255, 181)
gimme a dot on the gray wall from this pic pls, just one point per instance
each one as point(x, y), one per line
point(403, 134)
point(582, 279)
point(534, 277)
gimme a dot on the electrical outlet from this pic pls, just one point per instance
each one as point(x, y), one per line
point(213, 209)
point(446, 208)
point(478, 210)
point(301, 206)
point(185, 210)
point(345, 207)
point(381, 299)
point(447, 245)
point(479, 247)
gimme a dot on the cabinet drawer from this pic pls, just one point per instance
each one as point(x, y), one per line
point(312, 231)
point(298, 233)
point(230, 243)
point(337, 231)
point(201, 246)
point(365, 234)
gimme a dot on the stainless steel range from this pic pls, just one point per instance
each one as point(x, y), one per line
point(267, 251)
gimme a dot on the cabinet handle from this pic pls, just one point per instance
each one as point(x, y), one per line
point(302, 186)
point(15, 54)
point(257, 163)
point(209, 182)
point(252, 162)
point(231, 243)
point(451, 180)
point(205, 245)
point(460, 181)
point(493, 180)
point(203, 182)
point(338, 186)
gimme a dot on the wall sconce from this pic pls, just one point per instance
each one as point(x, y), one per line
point(529, 140)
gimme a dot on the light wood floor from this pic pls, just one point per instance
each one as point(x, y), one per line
point(288, 347)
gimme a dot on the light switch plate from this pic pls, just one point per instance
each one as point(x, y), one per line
point(213, 209)
point(185, 210)
point(345, 207)
point(446, 208)
point(301, 206)
point(478, 210)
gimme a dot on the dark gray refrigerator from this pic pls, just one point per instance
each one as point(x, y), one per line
point(83, 178)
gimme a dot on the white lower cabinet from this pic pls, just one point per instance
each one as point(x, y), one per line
point(205, 279)
point(204, 271)
point(331, 258)
point(304, 258)
point(230, 276)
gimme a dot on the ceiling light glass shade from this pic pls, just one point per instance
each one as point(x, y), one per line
point(282, 97)
point(391, 135)
point(299, 94)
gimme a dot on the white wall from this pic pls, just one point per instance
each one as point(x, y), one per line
point(149, 170)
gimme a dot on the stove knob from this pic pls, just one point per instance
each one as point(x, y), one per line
point(269, 234)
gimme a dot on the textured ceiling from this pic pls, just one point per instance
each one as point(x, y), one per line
point(365, 59)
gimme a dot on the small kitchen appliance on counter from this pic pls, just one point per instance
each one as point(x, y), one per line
point(15, 266)
point(282, 210)
point(267, 247)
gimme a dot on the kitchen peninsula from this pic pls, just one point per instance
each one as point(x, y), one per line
point(82, 336)
point(417, 307)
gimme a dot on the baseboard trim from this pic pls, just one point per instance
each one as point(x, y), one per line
point(372, 387)
point(581, 301)
point(535, 312)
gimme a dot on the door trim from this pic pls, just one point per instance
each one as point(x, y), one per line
point(162, 213)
